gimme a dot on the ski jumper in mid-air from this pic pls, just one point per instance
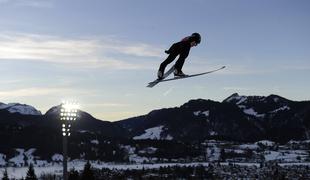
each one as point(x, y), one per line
point(182, 49)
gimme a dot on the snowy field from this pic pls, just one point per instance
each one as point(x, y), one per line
point(292, 153)
point(20, 172)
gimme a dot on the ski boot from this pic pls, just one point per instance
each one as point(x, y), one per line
point(179, 73)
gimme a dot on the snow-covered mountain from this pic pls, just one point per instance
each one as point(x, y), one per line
point(173, 131)
point(20, 108)
point(153, 133)
point(242, 118)
point(259, 106)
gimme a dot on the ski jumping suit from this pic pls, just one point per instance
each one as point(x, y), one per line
point(181, 48)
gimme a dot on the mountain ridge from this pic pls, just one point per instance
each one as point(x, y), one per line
point(257, 117)
point(175, 132)
point(20, 108)
point(241, 118)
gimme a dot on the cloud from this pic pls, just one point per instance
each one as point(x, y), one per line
point(44, 48)
point(29, 92)
point(112, 44)
point(79, 52)
point(33, 93)
point(107, 105)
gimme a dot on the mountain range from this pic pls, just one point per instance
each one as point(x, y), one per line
point(237, 118)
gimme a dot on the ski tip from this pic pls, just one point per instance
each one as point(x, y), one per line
point(150, 85)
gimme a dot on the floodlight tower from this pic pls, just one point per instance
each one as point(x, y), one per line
point(68, 114)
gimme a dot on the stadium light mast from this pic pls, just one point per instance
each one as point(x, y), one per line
point(68, 114)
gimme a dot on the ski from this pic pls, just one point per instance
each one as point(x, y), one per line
point(187, 76)
point(166, 74)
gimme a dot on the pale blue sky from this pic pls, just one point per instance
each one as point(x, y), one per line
point(103, 53)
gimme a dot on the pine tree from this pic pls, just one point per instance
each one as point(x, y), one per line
point(222, 155)
point(31, 174)
point(73, 175)
point(200, 171)
point(5, 175)
point(87, 172)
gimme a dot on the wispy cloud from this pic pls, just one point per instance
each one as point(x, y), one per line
point(84, 52)
point(29, 92)
point(107, 105)
point(135, 49)
point(56, 93)
point(44, 48)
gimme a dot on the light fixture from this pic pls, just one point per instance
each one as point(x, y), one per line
point(68, 113)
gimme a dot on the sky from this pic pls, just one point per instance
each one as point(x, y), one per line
point(102, 53)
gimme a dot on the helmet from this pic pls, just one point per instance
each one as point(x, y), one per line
point(196, 37)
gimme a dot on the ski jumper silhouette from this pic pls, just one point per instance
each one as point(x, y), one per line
point(181, 48)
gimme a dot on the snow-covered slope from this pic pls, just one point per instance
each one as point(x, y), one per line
point(259, 106)
point(20, 108)
point(153, 133)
